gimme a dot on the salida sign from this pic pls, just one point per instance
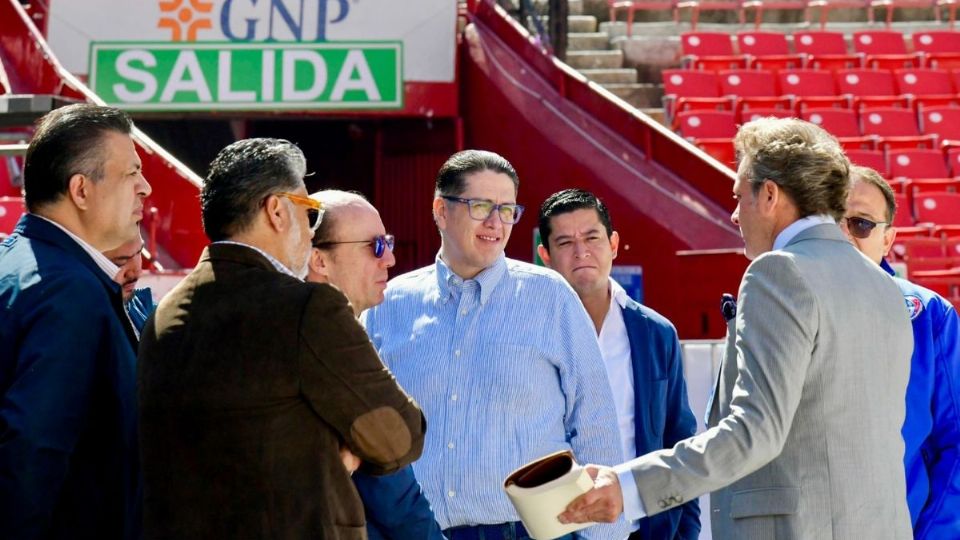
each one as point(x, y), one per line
point(273, 55)
point(203, 76)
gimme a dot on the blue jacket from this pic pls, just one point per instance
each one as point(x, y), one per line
point(69, 464)
point(140, 307)
point(396, 508)
point(931, 430)
point(662, 413)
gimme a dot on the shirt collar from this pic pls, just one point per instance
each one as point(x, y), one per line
point(799, 226)
point(276, 263)
point(487, 279)
point(99, 258)
point(618, 294)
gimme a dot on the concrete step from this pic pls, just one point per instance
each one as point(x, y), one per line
point(576, 23)
point(640, 95)
point(657, 114)
point(595, 59)
point(588, 41)
point(611, 76)
point(575, 7)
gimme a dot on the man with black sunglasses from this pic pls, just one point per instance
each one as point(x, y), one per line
point(353, 252)
point(931, 431)
point(500, 354)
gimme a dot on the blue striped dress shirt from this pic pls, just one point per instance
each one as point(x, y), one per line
point(506, 368)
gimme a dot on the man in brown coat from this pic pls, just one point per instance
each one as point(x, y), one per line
point(252, 381)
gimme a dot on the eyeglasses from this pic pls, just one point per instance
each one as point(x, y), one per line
point(381, 243)
point(860, 227)
point(480, 209)
point(314, 208)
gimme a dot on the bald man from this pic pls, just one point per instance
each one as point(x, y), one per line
point(353, 252)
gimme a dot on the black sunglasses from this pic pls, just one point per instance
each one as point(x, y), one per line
point(381, 243)
point(860, 227)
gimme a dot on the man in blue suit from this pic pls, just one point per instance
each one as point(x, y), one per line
point(69, 464)
point(353, 252)
point(138, 302)
point(640, 347)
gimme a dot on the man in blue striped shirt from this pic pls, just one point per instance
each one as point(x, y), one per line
point(500, 355)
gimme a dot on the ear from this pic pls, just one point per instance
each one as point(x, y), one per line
point(278, 217)
point(544, 254)
point(889, 235)
point(319, 266)
point(440, 213)
point(78, 189)
point(614, 243)
point(769, 196)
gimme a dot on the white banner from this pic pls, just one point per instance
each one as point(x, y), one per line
point(426, 28)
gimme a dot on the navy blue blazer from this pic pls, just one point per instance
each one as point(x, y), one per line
point(662, 415)
point(69, 465)
point(396, 508)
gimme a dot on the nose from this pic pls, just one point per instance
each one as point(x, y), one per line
point(493, 220)
point(145, 188)
point(388, 260)
point(580, 249)
point(735, 216)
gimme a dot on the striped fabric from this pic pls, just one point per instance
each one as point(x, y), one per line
point(506, 368)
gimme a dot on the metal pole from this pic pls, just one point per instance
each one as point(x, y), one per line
point(559, 10)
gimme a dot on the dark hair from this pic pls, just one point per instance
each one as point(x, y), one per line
point(566, 201)
point(68, 142)
point(872, 177)
point(805, 161)
point(241, 176)
point(451, 179)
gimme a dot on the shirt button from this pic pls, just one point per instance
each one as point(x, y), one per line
point(450, 445)
point(456, 352)
point(463, 312)
point(451, 494)
point(453, 397)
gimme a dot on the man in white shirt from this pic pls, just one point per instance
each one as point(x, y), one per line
point(639, 346)
point(803, 437)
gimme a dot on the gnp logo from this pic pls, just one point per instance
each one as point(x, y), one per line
point(251, 20)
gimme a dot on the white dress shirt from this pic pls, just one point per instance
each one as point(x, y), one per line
point(615, 348)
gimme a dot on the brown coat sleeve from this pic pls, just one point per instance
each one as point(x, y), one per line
point(349, 387)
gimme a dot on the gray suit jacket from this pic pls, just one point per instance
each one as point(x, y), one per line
point(805, 439)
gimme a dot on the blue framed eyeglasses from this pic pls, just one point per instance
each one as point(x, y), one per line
point(480, 209)
point(381, 243)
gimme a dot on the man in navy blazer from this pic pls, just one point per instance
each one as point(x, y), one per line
point(69, 464)
point(640, 347)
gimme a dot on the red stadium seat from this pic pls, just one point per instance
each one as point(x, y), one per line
point(904, 216)
point(936, 41)
point(687, 90)
point(924, 81)
point(879, 42)
point(839, 122)
point(922, 248)
point(706, 44)
point(747, 114)
point(869, 158)
point(933, 185)
point(11, 208)
point(905, 233)
point(943, 282)
point(889, 122)
point(866, 82)
point(707, 124)
point(952, 247)
point(941, 208)
point(763, 43)
point(807, 82)
point(944, 122)
point(720, 148)
point(821, 42)
point(744, 82)
point(917, 163)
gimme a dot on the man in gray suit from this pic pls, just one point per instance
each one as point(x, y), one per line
point(804, 428)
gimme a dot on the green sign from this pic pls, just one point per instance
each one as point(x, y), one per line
point(188, 76)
